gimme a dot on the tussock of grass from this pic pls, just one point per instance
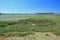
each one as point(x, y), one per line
point(17, 34)
point(47, 34)
point(57, 33)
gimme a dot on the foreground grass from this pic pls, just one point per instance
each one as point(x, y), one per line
point(29, 26)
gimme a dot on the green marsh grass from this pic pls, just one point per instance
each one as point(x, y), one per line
point(30, 25)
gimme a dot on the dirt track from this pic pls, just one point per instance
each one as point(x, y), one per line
point(37, 36)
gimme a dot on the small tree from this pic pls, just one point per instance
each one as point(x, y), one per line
point(0, 13)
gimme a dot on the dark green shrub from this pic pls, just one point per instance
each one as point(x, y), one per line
point(3, 25)
point(11, 23)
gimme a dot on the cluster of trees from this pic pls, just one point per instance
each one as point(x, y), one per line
point(0, 13)
point(43, 13)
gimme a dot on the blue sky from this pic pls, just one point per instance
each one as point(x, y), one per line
point(29, 6)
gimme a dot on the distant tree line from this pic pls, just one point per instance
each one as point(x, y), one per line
point(43, 13)
point(24, 13)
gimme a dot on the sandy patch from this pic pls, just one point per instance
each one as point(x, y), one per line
point(37, 36)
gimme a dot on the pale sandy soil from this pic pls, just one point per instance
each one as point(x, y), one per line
point(37, 36)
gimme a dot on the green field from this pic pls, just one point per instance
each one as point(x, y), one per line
point(39, 23)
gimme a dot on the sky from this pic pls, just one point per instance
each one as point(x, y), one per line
point(29, 6)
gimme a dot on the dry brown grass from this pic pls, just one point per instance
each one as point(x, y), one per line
point(2, 37)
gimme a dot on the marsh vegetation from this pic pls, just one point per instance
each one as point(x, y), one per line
point(29, 26)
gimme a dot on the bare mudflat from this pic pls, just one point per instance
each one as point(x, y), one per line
point(37, 36)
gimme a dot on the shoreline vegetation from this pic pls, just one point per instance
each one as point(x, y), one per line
point(29, 26)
